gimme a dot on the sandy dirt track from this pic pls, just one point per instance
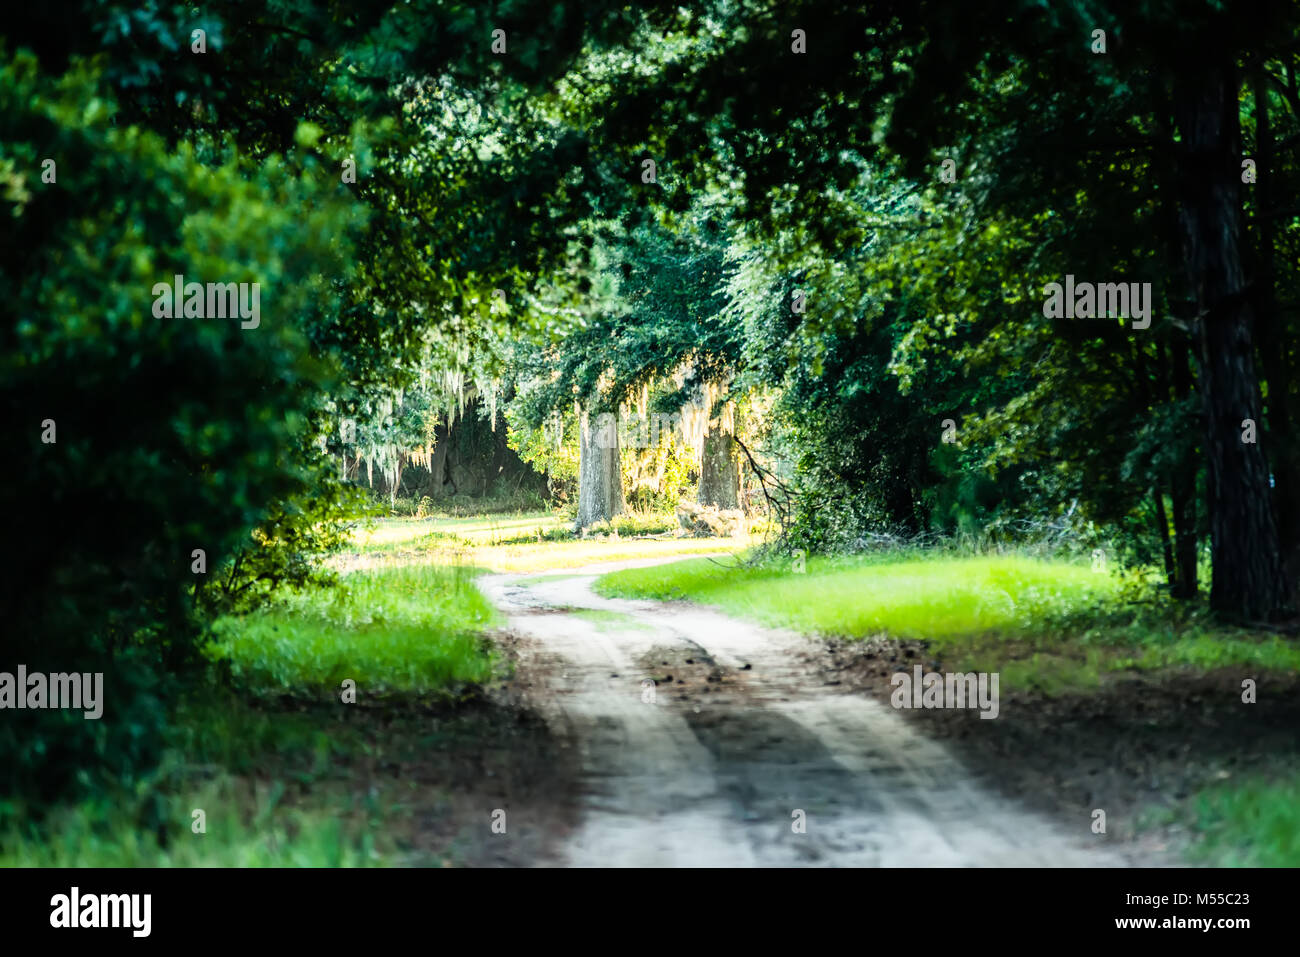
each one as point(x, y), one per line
point(740, 744)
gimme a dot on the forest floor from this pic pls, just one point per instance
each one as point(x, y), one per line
point(703, 740)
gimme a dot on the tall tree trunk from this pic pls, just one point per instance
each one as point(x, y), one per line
point(600, 480)
point(1272, 344)
point(719, 469)
point(1248, 580)
point(1162, 394)
point(1176, 358)
point(1183, 500)
point(1182, 492)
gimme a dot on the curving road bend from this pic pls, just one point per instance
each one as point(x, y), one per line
point(736, 756)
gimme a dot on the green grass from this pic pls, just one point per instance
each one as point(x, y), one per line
point(936, 598)
point(299, 782)
point(523, 543)
point(487, 529)
point(102, 833)
point(407, 628)
point(287, 786)
point(1253, 823)
point(1048, 625)
point(273, 785)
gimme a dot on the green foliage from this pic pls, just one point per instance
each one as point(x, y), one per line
point(190, 450)
point(657, 477)
point(217, 746)
point(50, 754)
point(498, 244)
point(656, 315)
point(550, 448)
point(166, 167)
point(287, 550)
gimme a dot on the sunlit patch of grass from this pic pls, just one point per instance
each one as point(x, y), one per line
point(523, 544)
point(1049, 626)
point(412, 628)
point(916, 596)
point(481, 530)
point(536, 557)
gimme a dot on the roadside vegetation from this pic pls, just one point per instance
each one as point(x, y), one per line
point(1254, 823)
point(1042, 623)
point(285, 772)
point(1053, 629)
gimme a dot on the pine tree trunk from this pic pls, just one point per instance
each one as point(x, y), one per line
point(600, 479)
point(1248, 580)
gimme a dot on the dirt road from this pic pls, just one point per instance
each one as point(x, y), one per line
point(736, 756)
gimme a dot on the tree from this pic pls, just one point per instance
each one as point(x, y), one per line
point(600, 478)
point(1246, 550)
point(166, 434)
point(658, 328)
point(947, 76)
